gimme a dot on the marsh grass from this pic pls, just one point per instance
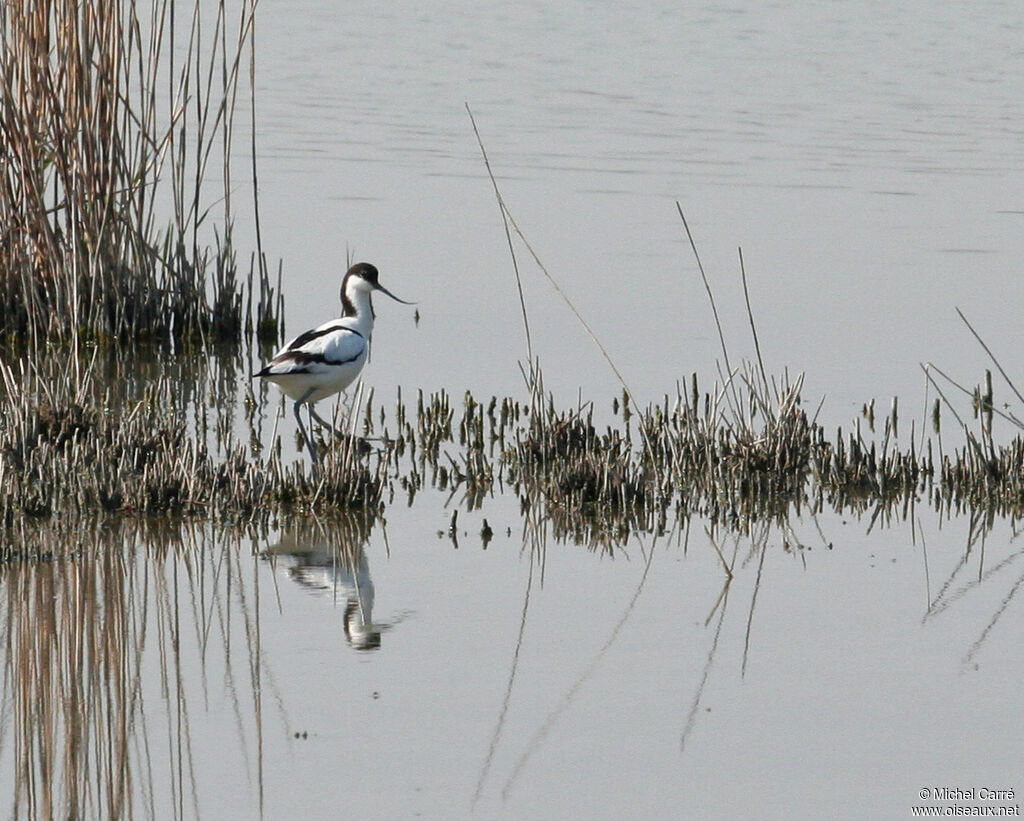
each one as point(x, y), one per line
point(113, 115)
point(78, 450)
point(592, 485)
point(982, 474)
point(170, 443)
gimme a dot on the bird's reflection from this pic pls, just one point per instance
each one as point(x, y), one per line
point(328, 559)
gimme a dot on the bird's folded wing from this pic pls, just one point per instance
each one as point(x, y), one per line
point(318, 350)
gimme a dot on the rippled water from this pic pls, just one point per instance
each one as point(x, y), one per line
point(866, 156)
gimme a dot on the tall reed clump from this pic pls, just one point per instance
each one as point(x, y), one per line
point(112, 115)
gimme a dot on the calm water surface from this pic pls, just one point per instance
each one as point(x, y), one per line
point(868, 159)
point(381, 672)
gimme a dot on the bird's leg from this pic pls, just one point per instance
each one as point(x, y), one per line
point(325, 423)
point(357, 442)
point(302, 428)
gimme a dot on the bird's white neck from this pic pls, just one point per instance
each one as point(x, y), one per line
point(356, 307)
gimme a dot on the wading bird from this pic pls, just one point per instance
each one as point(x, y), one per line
point(326, 360)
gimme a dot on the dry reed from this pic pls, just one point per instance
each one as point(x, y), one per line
point(112, 114)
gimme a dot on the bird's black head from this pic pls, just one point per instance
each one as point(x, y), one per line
point(362, 277)
point(365, 272)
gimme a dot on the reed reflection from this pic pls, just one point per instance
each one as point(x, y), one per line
point(111, 651)
point(328, 559)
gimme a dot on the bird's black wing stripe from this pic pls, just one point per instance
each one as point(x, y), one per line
point(300, 360)
point(316, 333)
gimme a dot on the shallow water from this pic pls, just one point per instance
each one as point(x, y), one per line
point(868, 160)
point(385, 673)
